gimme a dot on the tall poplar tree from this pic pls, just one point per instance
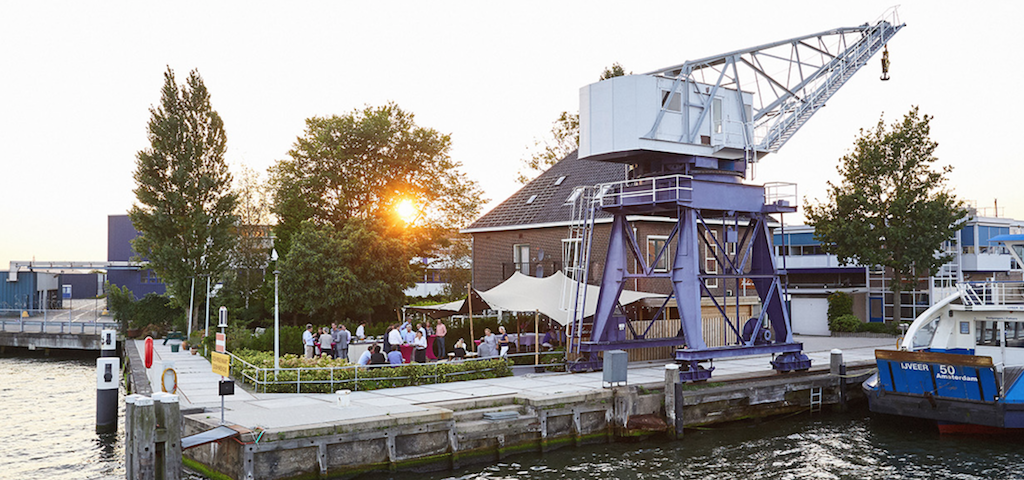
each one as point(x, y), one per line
point(184, 208)
point(892, 208)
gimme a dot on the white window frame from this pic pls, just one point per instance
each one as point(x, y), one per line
point(522, 264)
point(652, 251)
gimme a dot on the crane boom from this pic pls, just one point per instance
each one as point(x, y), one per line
point(790, 79)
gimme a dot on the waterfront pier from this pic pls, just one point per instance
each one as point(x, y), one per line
point(436, 427)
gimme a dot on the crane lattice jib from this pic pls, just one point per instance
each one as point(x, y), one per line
point(789, 79)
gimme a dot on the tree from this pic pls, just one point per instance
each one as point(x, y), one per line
point(891, 208)
point(564, 139)
point(346, 273)
point(251, 253)
point(346, 175)
point(455, 259)
point(184, 209)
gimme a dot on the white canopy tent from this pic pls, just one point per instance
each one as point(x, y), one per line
point(521, 293)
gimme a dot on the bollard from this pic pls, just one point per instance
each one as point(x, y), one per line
point(107, 379)
point(144, 439)
point(129, 449)
point(108, 343)
point(344, 398)
point(837, 360)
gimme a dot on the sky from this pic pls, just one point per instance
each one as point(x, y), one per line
point(80, 77)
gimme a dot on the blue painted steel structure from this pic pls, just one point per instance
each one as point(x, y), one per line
point(696, 177)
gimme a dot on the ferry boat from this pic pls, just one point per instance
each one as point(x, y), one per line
point(961, 362)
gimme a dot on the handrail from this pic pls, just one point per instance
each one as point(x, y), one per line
point(261, 377)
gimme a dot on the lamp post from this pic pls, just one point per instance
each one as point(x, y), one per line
point(277, 317)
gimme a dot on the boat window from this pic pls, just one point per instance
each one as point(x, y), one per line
point(923, 337)
point(1015, 334)
point(986, 333)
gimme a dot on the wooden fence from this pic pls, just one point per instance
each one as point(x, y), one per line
point(714, 329)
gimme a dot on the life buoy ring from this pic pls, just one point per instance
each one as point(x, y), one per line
point(169, 383)
point(148, 360)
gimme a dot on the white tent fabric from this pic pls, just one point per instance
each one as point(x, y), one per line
point(521, 293)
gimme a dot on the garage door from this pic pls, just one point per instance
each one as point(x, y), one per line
point(810, 316)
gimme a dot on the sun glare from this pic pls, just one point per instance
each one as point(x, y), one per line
point(406, 210)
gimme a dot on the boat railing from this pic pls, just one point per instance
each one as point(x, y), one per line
point(991, 293)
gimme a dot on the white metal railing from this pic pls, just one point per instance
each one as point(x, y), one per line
point(641, 191)
point(783, 194)
point(11, 321)
point(991, 293)
point(348, 376)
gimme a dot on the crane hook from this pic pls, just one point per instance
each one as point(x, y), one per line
point(885, 63)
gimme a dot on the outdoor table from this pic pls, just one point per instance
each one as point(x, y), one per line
point(406, 353)
point(430, 347)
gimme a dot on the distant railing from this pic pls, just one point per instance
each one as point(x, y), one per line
point(991, 293)
point(11, 321)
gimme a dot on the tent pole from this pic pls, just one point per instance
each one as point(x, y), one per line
point(469, 300)
point(536, 337)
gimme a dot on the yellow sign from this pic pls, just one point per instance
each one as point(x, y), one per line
point(221, 363)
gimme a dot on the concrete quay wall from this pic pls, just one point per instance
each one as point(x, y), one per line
point(449, 435)
point(42, 340)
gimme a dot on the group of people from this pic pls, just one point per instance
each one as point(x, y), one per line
point(331, 341)
point(334, 341)
point(406, 334)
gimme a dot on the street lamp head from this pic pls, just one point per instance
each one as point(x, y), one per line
point(273, 255)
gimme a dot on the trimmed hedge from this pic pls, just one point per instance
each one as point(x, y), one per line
point(345, 378)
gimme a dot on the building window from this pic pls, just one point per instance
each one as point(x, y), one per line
point(711, 258)
point(521, 258)
point(655, 245)
point(531, 199)
point(674, 104)
point(560, 180)
point(148, 276)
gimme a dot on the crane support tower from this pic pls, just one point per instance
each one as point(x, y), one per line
point(690, 135)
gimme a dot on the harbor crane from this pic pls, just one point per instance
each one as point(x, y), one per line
point(690, 134)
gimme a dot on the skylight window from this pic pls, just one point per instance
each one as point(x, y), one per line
point(560, 180)
point(531, 199)
point(574, 195)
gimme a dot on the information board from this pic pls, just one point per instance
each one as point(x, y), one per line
point(221, 363)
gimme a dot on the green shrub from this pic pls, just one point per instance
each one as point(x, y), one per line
point(328, 380)
point(839, 304)
point(845, 323)
point(878, 327)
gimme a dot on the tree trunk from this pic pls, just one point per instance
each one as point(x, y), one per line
point(897, 297)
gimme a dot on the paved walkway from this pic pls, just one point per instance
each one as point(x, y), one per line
point(197, 386)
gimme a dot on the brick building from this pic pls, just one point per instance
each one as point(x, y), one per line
point(527, 231)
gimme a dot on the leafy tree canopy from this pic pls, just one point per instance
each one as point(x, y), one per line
point(347, 273)
point(344, 247)
point(363, 165)
point(891, 208)
point(184, 209)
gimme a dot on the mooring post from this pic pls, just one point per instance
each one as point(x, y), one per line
point(168, 414)
point(674, 401)
point(108, 375)
point(836, 361)
point(144, 435)
point(130, 462)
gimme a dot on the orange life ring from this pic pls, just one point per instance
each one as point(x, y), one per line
point(149, 352)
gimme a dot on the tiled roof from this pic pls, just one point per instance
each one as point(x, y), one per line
point(548, 205)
